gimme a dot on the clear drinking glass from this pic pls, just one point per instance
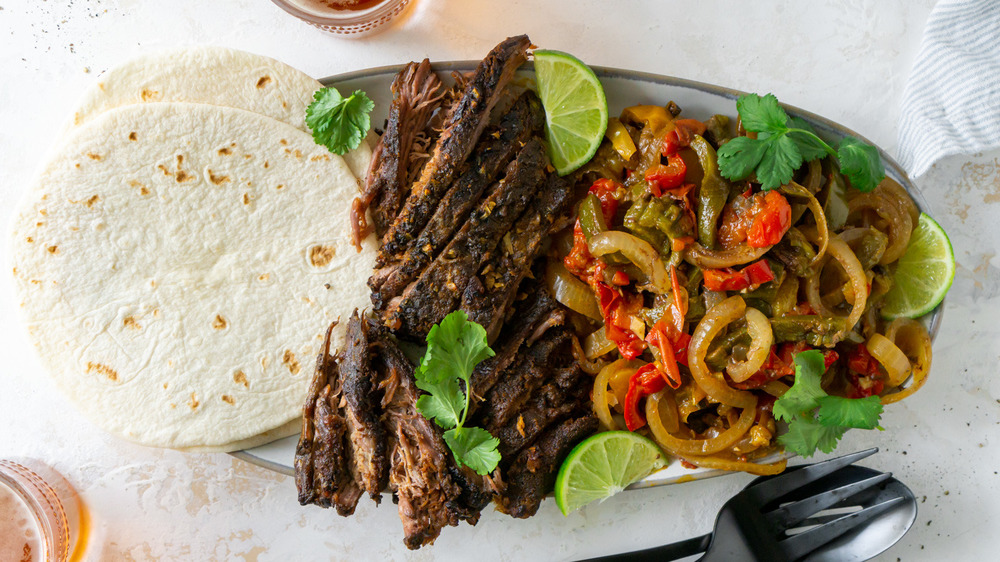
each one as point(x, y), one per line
point(41, 515)
point(362, 15)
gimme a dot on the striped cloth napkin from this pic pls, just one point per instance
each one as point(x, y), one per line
point(951, 104)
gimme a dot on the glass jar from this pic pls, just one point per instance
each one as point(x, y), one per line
point(363, 16)
point(41, 515)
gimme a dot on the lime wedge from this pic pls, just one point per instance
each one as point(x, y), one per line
point(602, 465)
point(576, 112)
point(923, 274)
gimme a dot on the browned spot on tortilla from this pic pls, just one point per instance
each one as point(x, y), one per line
point(263, 81)
point(143, 191)
point(130, 322)
point(165, 386)
point(219, 323)
point(53, 249)
point(35, 282)
point(77, 119)
point(172, 405)
point(149, 95)
point(228, 399)
point(90, 202)
point(39, 223)
point(30, 240)
point(193, 402)
point(43, 212)
point(283, 142)
point(225, 151)
point(320, 255)
point(291, 362)
point(135, 183)
point(246, 198)
point(247, 156)
point(280, 186)
point(133, 136)
point(102, 369)
point(265, 360)
point(181, 176)
point(240, 377)
point(217, 180)
point(156, 311)
point(284, 105)
point(264, 276)
point(266, 164)
point(77, 165)
point(180, 160)
point(93, 156)
point(320, 158)
point(164, 169)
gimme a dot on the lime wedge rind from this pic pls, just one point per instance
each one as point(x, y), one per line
point(602, 465)
point(923, 274)
point(576, 109)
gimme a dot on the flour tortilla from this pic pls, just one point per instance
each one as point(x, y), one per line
point(177, 265)
point(213, 75)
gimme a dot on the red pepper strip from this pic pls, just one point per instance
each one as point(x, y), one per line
point(861, 361)
point(729, 279)
point(617, 321)
point(872, 387)
point(606, 191)
point(663, 178)
point(668, 362)
point(645, 381)
point(680, 136)
point(620, 278)
point(771, 222)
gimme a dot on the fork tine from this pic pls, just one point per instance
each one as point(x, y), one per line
point(797, 546)
point(788, 515)
point(778, 486)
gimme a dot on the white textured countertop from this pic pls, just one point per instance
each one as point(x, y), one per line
point(847, 60)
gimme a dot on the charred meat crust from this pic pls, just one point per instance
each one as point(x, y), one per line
point(439, 288)
point(421, 472)
point(492, 154)
point(322, 459)
point(530, 313)
point(533, 473)
point(416, 94)
point(465, 124)
point(489, 295)
point(362, 411)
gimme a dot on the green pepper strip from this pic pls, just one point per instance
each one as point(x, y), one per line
point(814, 330)
point(591, 216)
point(713, 194)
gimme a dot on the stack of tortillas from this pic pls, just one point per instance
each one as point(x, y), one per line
point(181, 254)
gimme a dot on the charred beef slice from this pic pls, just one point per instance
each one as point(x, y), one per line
point(465, 124)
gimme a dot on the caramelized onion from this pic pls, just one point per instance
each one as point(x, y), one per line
point(761, 338)
point(717, 259)
point(896, 365)
point(912, 339)
point(637, 251)
point(900, 224)
point(822, 237)
point(721, 463)
point(570, 291)
point(683, 447)
point(710, 325)
point(597, 344)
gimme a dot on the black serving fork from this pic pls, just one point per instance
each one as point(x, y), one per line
point(771, 518)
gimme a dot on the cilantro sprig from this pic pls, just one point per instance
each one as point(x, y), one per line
point(815, 419)
point(784, 143)
point(454, 348)
point(339, 123)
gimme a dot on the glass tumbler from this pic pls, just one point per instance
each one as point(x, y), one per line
point(41, 515)
point(344, 17)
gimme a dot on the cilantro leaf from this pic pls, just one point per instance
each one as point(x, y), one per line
point(739, 157)
point(784, 143)
point(805, 393)
point(780, 161)
point(454, 347)
point(443, 403)
point(860, 163)
point(339, 123)
point(805, 435)
point(474, 447)
point(806, 139)
point(862, 413)
point(761, 114)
